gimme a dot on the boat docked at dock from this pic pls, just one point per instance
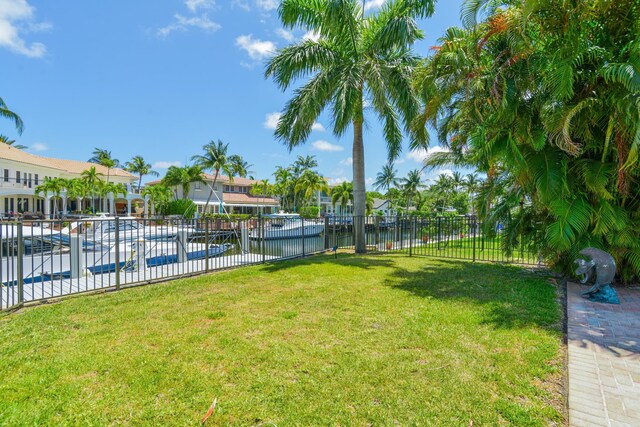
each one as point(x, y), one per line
point(287, 226)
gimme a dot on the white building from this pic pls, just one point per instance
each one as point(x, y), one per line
point(21, 172)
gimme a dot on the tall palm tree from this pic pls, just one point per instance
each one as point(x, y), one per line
point(342, 194)
point(309, 184)
point(12, 142)
point(141, 167)
point(183, 176)
point(10, 115)
point(411, 185)
point(103, 157)
point(215, 158)
point(471, 183)
point(386, 179)
point(283, 186)
point(93, 179)
point(55, 187)
point(356, 56)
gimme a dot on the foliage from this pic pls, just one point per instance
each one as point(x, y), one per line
point(183, 176)
point(310, 212)
point(6, 113)
point(183, 207)
point(544, 97)
point(159, 196)
point(138, 165)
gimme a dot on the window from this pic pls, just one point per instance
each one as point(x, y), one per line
point(36, 179)
point(29, 180)
point(6, 175)
point(197, 186)
point(17, 177)
point(227, 188)
point(244, 189)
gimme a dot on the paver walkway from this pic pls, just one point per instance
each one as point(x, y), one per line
point(604, 359)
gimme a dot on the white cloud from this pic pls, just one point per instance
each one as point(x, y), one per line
point(256, 48)
point(337, 181)
point(368, 181)
point(447, 172)
point(311, 35)
point(347, 162)
point(12, 12)
point(271, 121)
point(194, 5)
point(317, 127)
point(165, 164)
point(242, 5)
point(420, 155)
point(183, 23)
point(38, 146)
point(267, 4)
point(322, 145)
point(287, 35)
point(373, 4)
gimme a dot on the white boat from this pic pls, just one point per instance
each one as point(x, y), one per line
point(287, 226)
point(101, 259)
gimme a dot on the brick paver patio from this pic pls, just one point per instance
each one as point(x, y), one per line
point(604, 359)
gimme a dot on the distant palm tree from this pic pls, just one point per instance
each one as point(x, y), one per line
point(141, 167)
point(303, 164)
point(356, 56)
point(471, 183)
point(239, 166)
point(93, 179)
point(104, 158)
point(76, 189)
point(411, 185)
point(54, 186)
point(183, 176)
point(342, 194)
point(385, 179)
point(215, 158)
point(12, 142)
point(10, 115)
point(310, 183)
point(443, 186)
point(284, 185)
point(262, 189)
point(159, 196)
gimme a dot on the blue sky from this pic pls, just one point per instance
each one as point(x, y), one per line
point(162, 78)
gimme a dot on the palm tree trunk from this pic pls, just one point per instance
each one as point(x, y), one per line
point(139, 183)
point(359, 192)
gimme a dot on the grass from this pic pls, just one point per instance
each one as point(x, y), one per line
point(372, 340)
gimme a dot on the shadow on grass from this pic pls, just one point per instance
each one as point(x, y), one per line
point(348, 260)
point(512, 296)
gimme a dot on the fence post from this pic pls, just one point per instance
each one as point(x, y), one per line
point(398, 230)
point(475, 228)
point(439, 231)
point(377, 236)
point(411, 232)
point(20, 266)
point(302, 222)
point(206, 245)
point(325, 219)
point(117, 254)
point(335, 239)
point(262, 239)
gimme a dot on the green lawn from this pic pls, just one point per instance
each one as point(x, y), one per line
point(375, 340)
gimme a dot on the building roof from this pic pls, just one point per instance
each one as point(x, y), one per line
point(223, 179)
point(70, 166)
point(246, 199)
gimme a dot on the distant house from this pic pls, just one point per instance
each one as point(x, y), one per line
point(383, 206)
point(327, 208)
point(21, 172)
point(230, 196)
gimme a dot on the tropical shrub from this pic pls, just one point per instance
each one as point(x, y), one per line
point(544, 97)
point(183, 207)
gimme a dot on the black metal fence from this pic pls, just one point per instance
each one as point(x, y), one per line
point(50, 259)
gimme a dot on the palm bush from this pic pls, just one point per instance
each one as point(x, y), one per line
point(544, 97)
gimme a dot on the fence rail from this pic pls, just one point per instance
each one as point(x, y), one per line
point(50, 259)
